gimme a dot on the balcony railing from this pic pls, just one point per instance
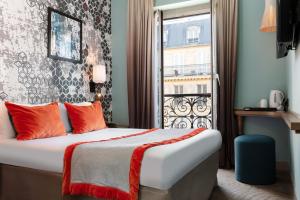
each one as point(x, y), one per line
point(187, 111)
point(187, 70)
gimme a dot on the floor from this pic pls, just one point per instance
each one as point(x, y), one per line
point(230, 189)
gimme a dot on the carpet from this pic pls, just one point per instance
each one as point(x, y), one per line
point(230, 189)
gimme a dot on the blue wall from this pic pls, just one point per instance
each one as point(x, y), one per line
point(259, 72)
point(294, 96)
point(119, 63)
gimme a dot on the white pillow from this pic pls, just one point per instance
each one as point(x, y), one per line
point(64, 117)
point(82, 104)
point(6, 127)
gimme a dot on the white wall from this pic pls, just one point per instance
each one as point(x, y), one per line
point(294, 97)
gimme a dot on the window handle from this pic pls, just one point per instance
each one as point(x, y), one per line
point(216, 76)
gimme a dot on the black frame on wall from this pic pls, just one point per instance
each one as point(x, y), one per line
point(50, 11)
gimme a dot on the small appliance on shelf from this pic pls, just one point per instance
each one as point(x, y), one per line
point(277, 100)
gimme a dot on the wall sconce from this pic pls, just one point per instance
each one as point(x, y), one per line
point(99, 77)
point(269, 22)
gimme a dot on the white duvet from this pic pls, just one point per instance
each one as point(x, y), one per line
point(162, 166)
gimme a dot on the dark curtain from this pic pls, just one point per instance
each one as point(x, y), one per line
point(225, 13)
point(139, 63)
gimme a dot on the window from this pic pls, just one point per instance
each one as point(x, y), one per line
point(201, 89)
point(166, 37)
point(178, 89)
point(186, 96)
point(193, 34)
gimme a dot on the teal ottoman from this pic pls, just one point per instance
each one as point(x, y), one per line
point(255, 159)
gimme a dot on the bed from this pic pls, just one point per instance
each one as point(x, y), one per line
point(32, 170)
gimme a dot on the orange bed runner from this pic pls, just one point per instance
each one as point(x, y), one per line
point(107, 192)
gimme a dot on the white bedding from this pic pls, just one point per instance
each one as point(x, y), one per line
point(162, 166)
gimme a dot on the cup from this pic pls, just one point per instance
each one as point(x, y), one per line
point(263, 103)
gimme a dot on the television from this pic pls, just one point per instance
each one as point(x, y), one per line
point(287, 26)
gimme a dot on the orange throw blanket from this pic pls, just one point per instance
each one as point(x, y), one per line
point(88, 166)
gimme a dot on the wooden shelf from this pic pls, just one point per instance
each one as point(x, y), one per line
point(291, 119)
point(245, 113)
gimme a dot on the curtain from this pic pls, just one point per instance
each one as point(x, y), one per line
point(225, 22)
point(157, 69)
point(139, 63)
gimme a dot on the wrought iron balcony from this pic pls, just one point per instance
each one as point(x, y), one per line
point(187, 111)
point(187, 70)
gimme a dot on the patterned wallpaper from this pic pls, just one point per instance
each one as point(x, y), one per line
point(28, 76)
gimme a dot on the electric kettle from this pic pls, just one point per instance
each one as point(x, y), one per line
point(276, 99)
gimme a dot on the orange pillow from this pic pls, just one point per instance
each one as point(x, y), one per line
point(86, 118)
point(36, 122)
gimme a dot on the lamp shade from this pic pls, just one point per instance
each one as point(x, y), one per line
point(269, 22)
point(99, 74)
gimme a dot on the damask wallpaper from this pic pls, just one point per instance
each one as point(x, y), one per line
point(28, 76)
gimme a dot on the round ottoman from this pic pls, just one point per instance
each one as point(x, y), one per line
point(255, 159)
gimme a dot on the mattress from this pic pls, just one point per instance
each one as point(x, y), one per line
point(162, 166)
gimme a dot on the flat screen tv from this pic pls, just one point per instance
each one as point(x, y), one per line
point(287, 26)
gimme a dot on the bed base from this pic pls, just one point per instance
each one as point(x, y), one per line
point(19, 183)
